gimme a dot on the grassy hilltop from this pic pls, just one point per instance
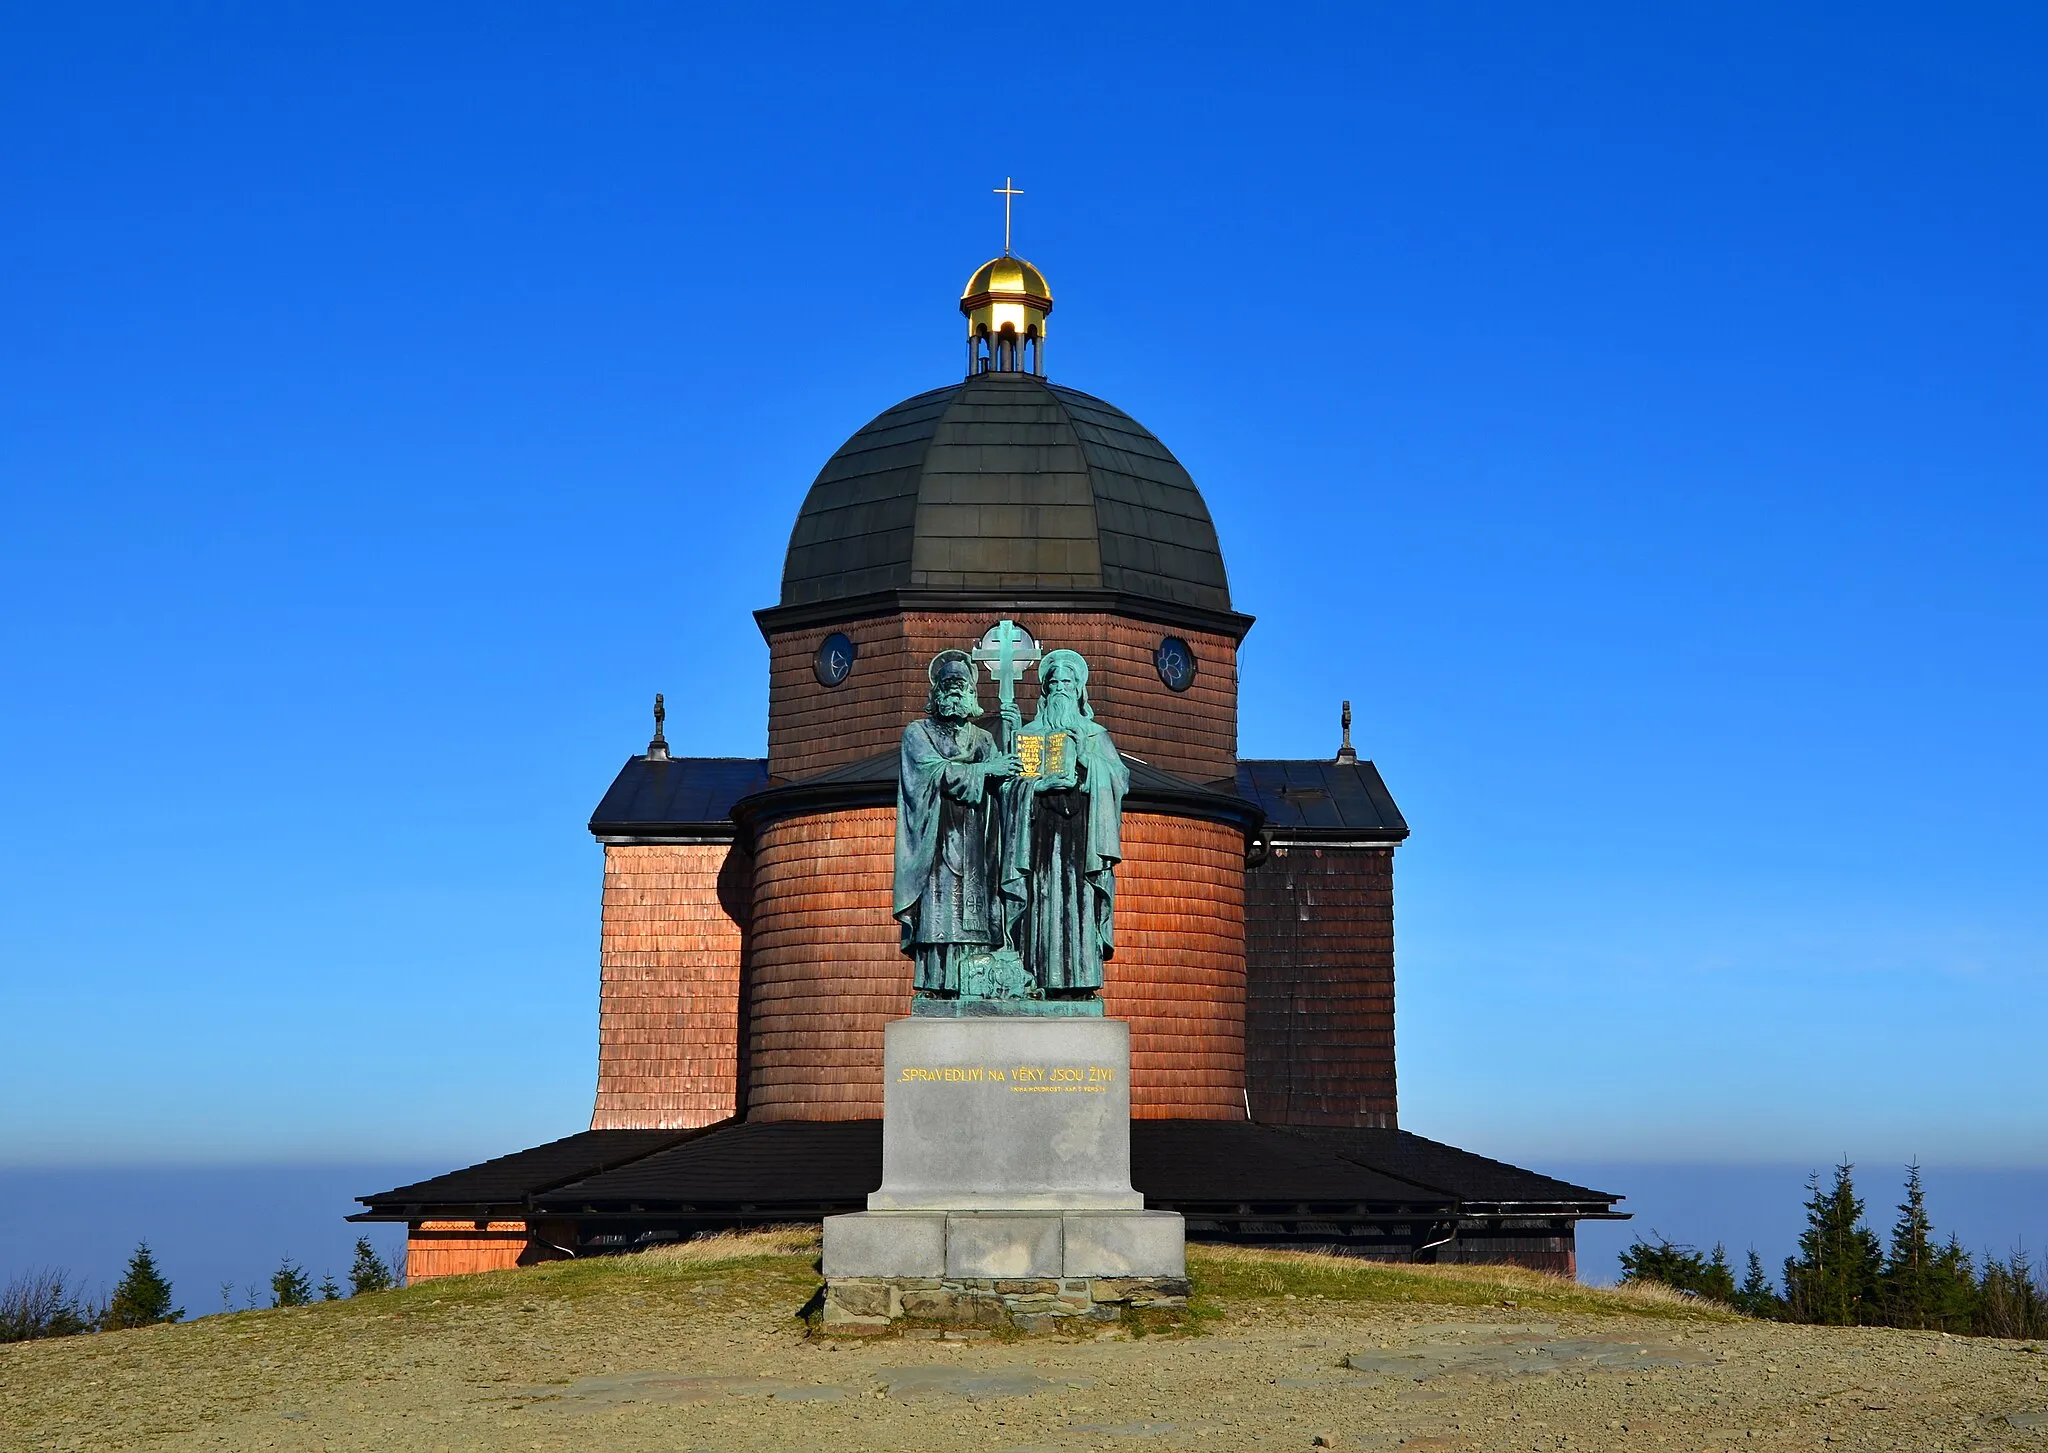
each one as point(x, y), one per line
point(702, 1346)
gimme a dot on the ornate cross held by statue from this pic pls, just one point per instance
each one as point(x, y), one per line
point(1005, 651)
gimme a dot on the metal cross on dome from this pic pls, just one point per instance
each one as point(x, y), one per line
point(1006, 649)
point(1007, 191)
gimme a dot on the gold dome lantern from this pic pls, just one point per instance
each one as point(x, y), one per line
point(1006, 303)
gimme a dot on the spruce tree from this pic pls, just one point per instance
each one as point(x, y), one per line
point(1756, 1297)
point(1719, 1282)
point(1834, 1279)
point(329, 1292)
point(288, 1285)
point(144, 1297)
point(368, 1274)
point(1911, 1280)
point(1955, 1290)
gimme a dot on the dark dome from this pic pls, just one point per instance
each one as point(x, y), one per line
point(1005, 483)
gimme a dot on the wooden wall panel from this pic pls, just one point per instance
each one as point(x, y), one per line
point(812, 728)
point(1178, 973)
point(672, 945)
point(827, 974)
point(459, 1248)
point(1319, 967)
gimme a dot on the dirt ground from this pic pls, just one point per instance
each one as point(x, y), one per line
point(702, 1349)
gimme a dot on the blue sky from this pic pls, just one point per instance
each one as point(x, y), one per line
point(1636, 411)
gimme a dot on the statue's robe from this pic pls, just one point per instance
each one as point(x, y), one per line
point(1062, 848)
point(947, 837)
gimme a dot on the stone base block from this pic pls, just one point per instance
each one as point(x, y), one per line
point(997, 1246)
point(1139, 1244)
point(867, 1306)
point(1005, 1246)
point(884, 1244)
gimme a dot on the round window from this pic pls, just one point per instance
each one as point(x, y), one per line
point(1176, 662)
point(835, 659)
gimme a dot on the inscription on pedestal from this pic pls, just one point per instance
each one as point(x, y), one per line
point(1006, 1114)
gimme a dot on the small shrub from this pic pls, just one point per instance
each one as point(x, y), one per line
point(368, 1273)
point(1756, 1297)
point(288, 1285)
point(1682, 1268)
point(38, 1304)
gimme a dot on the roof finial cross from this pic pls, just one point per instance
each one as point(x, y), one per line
point(1008, 192)
point(1347, 754)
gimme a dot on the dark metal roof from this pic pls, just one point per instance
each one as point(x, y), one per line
point(510, 1179)
point(1322, 799)
point(871, 782)
point(753, 1163)
point(683, 797)
point(1005, 483)
point(1475, 1179)
point(1184, 1163)
point(694, 797)
point(805, 1167)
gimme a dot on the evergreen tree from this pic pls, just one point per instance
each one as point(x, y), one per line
point(329, 1292)
point(288, 1285)
point(1719, 1282)
point(1834, 1279)
point(1756, 1297)
point(368, 1274)
point(1955, 1290)
point(1911, 1278)
point(143, 1298)
point(1681, 1268)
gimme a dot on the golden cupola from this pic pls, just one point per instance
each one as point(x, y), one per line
point(1006, 303)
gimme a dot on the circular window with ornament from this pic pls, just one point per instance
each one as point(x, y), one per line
point(835, 659)
point(1176, 662)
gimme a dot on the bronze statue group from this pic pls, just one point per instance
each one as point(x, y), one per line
point(1006, 850)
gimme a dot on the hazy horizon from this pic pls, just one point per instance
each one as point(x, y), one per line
point(208, 1225)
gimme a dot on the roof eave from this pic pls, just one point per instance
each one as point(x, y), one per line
point(776, 618)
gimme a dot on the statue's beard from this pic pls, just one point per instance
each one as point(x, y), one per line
point(955, 706)
point(1060, 713)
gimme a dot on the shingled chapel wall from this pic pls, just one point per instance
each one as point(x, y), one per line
point(1319, 986)
point(671, 951)
point(1179, 970)
point(813, 728)
point(828, 973)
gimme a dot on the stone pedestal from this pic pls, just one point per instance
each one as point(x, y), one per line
point(1006, 1183)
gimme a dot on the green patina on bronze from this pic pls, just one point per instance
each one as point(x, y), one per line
point(1006, 869)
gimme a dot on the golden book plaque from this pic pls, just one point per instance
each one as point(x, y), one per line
point(1042, 756)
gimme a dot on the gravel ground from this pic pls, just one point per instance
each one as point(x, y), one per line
point(703, 1353)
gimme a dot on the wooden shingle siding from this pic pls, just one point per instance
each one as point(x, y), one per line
point(813, 728)
point(458, 1248)
point(1178, 973)
point(827, 974)
point(670, 956)
point(1319, 961)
